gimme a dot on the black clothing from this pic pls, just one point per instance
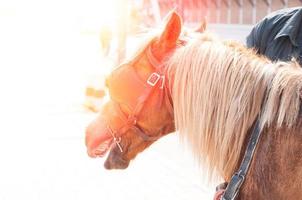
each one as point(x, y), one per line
point(279, 35)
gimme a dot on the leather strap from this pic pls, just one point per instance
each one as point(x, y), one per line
point(153, 61)
point(238, 178)
point(155, 81)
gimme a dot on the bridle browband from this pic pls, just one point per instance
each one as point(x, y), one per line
point(156, 80)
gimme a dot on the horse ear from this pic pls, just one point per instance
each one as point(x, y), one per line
point(171, 32)
point(202, 27)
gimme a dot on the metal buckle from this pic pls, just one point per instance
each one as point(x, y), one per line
point(153, 79)
point(116, 140)
point(233, 187)
point(163, 82)
point(239, 174)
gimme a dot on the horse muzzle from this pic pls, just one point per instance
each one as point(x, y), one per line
point(115, 160)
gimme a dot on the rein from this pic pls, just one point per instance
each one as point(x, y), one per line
point(156, 80)
point(233, 187)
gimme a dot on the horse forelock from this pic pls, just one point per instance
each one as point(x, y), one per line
point(218, 90)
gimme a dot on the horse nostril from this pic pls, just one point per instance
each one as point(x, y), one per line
point(107, 165)
point(115, 162)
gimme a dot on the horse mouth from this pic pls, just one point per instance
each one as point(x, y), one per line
point(102, 149)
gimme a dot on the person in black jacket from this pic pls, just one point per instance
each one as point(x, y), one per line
point(279, 35)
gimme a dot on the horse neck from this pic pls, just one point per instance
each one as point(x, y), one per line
point(216, 101)
point(276, 172)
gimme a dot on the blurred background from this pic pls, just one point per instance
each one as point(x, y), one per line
point(54, 56)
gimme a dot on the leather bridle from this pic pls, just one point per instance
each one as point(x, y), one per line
point(155, 82)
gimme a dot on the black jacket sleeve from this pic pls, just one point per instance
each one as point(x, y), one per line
point(255, 38)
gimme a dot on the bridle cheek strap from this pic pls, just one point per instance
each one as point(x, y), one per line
point(130, 122)
point(155, 82)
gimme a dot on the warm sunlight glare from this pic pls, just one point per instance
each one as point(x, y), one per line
point(51, 51)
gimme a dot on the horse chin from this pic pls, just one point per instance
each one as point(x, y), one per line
point(115, 160)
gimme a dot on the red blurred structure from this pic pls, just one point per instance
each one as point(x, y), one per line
point(221, 11)
point(134, 15)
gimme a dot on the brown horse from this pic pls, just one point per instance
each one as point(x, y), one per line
point(212, 92)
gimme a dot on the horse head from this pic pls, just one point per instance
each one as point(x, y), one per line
point(140, 110)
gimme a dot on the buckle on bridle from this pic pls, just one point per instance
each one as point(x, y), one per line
point(115, 139)
point(154, 78)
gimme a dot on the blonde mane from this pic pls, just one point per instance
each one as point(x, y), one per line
point(218, 90)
